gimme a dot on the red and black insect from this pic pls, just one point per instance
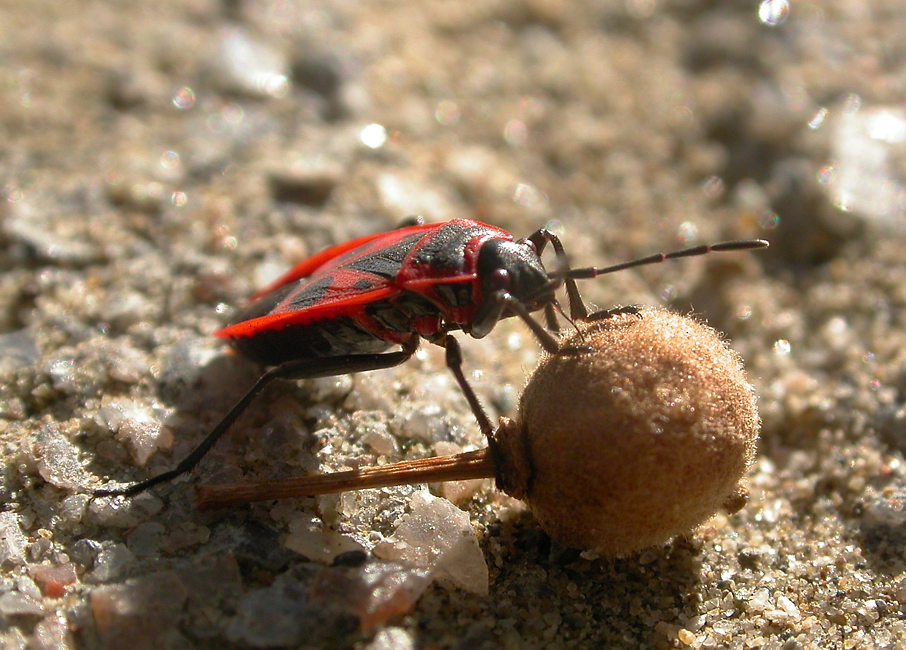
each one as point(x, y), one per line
point(339, 311)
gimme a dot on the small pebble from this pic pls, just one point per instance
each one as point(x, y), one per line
point(138, 424)
point(12, 541)
point(14, 603)
point(438, 536)
point(17, 350)
point(305, 182)
point(248, 65)
point(308, 537)
point(52, 633)
point(53, 578)
point(58, 459)
point(112, 561)
point(142, 608)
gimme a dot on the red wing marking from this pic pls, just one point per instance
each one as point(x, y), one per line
point(330, 305)
point(340, 253)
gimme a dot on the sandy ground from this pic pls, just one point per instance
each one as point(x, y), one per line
point(160, 161)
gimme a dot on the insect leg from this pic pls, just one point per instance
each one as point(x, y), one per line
point(300, 369)
point(550, 317)
point(454, 363)
point(604, 314)
point(540, 238)
point(550, 344)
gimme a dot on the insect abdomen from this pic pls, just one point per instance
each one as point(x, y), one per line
point(328, 338)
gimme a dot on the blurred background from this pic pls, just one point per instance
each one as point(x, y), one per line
point(159, 162)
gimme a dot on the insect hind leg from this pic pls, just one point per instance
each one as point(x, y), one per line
point(298, 369)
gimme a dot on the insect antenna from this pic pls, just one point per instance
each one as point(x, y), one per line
point(594, 271)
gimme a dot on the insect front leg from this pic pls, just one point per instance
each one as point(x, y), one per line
point(604, 314)
point(299, 369)
point(550, 317)
point(540, 239)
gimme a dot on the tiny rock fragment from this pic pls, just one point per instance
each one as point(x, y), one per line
point(252, 544)
point(274, 616)
point(319, 70)
point(424, 423)
point(52, 633)
point(308, 537)
point(148, 605)
point(437, 536)
point(12, 541)
point(685, 636)
point(58, 238)
point(111, 562)
point(137, 193)
point(16, 603)
point(884, 517)
point(404, 194)
point(84, 552)
point(137, 424)
point(247, 65)
point(184, 535)
point(183, 362)
point(125, 513)
point(17, 350)
point(58, 459)
point(392, 638)
point(374, 592)
point(53, 578)
point(381, 442)
point(867, 180)
point(124, 362)
point(455, 491)
point(145, 539)
point(212, 580)
point(307, 182)
point(72, 509)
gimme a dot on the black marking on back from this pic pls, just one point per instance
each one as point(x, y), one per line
point(445, 249)
point(309, 294)
point(385, 262)
point(264, 305)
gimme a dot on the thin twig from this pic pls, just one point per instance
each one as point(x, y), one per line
point(467, 465)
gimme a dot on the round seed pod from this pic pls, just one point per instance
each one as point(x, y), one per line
point(640, 440)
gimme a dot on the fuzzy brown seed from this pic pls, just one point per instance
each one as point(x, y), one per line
point(640, 440)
